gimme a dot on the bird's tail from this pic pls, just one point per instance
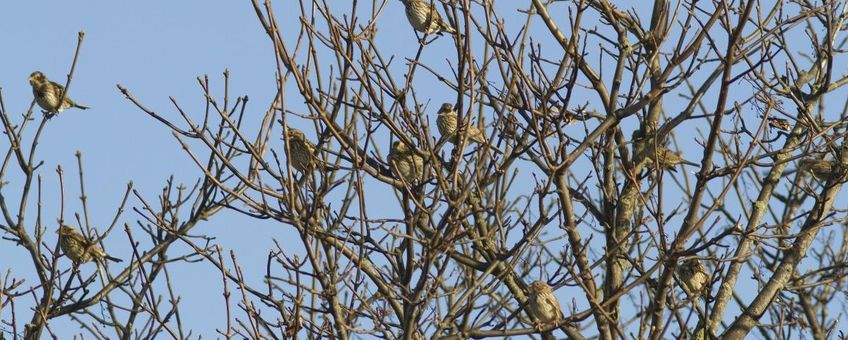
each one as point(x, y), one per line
point(326, 167)
point(689, 163)
point(495, 149)
point(81, 107)
point(113, 259)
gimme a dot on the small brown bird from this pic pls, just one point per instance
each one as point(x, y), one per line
point(424, 17)
point(820, 168)
point(78, 248)
point(693, 276)
point(543, 305)
point(666, 158)
point(779, 123)
point(301, 151)
point(405, 163)
point(447, 124)
point(47, 94)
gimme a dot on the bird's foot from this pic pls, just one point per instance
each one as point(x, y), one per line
point(539, 326)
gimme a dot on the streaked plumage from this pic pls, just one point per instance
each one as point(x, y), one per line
point(819, 168)
point(693, 276)
point(543, 305)
point(447, 124)
point(779, 123)
point(665, 157)
point(78, 248)
point(47, 94)
point(405, 163)
point(301, 151)
point(424, 17)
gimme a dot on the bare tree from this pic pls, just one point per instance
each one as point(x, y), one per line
point(671, 171)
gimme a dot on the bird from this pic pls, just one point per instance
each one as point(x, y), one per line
point(664, 157)
point(820, 168)
point(779, 123)
point(301, 151)
point(447, 123)
point(80, 249)
point(405, 163)
point(424, 17)
point(543, 305)
point(47, 94)
point(693, 276)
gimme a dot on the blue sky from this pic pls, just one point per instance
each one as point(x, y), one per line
point(157, 49)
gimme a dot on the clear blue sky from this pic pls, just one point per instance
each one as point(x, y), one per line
point(156, 49)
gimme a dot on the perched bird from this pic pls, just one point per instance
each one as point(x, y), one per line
point(779, 123)
point(301, 151)
point(78, 248)
point(805, 76)
point(664, 157)
point(543, 305)
point(693, 276)
point(47, 94)
point(447, 124)
point(820, 168)
point(405, 163)
point(424, 17)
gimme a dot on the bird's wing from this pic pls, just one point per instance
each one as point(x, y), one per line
point(37, 92)
point(54, 86)
point(553, 304)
